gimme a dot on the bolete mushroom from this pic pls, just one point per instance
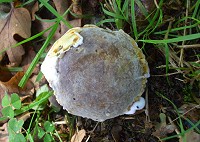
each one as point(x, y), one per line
point(96, 73)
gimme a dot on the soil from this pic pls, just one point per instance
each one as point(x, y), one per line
point(141, 126)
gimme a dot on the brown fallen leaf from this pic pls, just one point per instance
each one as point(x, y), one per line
point(78, 137)
point(4, 133)
point(1, 56)
point(34, 9)
point(61, 6)
point(11, 86)
point(42, 25)
point(28, 57)
point(162, 128)
point(5, 75)
point(16, 21)
point(190, 111)
point(191, 136)
point(76, 8)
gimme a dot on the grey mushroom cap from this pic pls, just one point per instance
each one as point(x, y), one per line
point(100, 78)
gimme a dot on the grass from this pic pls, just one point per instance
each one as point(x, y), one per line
point(183, 132)
point(10, 112)
point(46, 43)
point(172, 36)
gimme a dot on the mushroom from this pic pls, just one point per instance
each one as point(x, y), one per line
point(97, 73)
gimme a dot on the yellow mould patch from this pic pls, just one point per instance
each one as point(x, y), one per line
point(71, 38)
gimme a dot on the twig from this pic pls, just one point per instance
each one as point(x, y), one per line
point(155, 2)
point(189, 46)
point(147, 106)
point(184, 33)
point(92, 132)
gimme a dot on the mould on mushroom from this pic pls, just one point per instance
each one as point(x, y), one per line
point(138, 105)
point(73, 38)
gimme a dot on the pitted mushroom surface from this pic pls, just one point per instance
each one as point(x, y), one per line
point(96, 73)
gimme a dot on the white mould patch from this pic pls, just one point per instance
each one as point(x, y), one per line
point(79, 42)
point(48, 68)
point(71, 38)
point(136, 106)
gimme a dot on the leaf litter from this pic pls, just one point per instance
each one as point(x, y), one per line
point(134, 129)
point(78, 136)
point(15, 22)
point(61, 6)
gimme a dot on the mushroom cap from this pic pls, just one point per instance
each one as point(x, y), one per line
point(100, 78)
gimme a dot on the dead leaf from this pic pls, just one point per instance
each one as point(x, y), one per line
point(162, 129)
point(16, 22)
point(42, 25)
point(1, 56)
point(191, 136)
point(75, 22)
point(78, 137)
point(5, 75)
point(190, 111)
point(28, 57)
point(34, 9)
point(76, 8)
point(11, 86)
point(61, 6)
point(4, 133)
point(36, 84)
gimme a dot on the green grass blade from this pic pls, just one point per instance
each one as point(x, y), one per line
point(125, 6)
point(196, 10)
point(151, 24)
point(26, 3)
point(37, 57)
point(156, 24)
point(105, 21)
point(26, 40)
point(178, 29)
point(114, 15)
point(5, 1)
point(179, 116)
point(192, 124)
point(117, 6)
point(143, 9)
point(51, 9)
point(177, 135)
point(11, 69)
point(133, 19)
point(180, 21)
point(33, 104)
point(46, 20)
point(118, 3)
point(123, 12)
point(178, 39)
